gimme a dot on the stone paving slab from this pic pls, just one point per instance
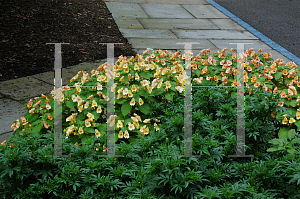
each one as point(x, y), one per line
point(204, 11)
point(178, 24)
point(195, 52)
point(169, 43)
point(200, 2)
point(226, 24)
point(216, 34)
point(130, 23)
point(147, 33)
point(166, 11)
point(127, 10)
point(127, 1)
point(25, 87)
point(257, 44)
point(13, 111)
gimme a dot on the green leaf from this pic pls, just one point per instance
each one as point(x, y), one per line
point(50, 123)
point(70, 104)
point(126, 108)
point(283, 133)
point(290, 156)
point(151, 99)
point(127, 121)
point(293, 103)
point(37, 128)
point(291, 134)
point(145, 75)
point(121, 101)
point(89, 129)
point(278, 75)
point(33, 117)
point(116, 137)
point(102, 128)
point(145, 93)
point(272, 149)
point(233, 94)
point(198, 72)
point(294, 141)
point(157, 91)
point(276, 141)
point(86, 139)
point(96, 115)
point(132, 139)
point(80, 117)
point(145, 109)
point(292, 151)
point(136, 98)
point(281, 162)
point(35, 123)
point(169, 96)
point(281, 148)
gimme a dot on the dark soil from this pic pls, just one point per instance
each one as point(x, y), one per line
point(27, 25)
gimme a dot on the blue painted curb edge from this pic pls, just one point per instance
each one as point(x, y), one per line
point(258, 34)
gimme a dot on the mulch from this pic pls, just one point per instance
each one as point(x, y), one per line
point(27, 25)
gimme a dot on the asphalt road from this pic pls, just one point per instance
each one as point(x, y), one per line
point(279, 20)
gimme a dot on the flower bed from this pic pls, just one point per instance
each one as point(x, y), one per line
point(147, 126)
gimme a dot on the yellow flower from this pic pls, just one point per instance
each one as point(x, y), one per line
point(141, 102)
point(168, 84)
point(284, 121)
point(126, 135)
point(143, 128)
point(136, 66)
point(91, 97)
point(48, 107)
point(87, 123)
point(80, 131)
point(120, 135)
point(131, 126)
point(149, 88)
point(99, 87)
point(132, 102)
point(126, 70)
point(130, 93)
point(159, 85)
point(90, 116)
point(134, 119)
point(74, 98)
point(146, 131)
point(180, 89)
point(133, 88)
point(80, 108)
point(97, 133)
point(94, 104)
point(147, 121)
point(136, 124)
point(99, 110)
point(86, 105)
point(292, 120)
point(111, 120)
point(46, 125)
point(138, 117)
point(137, 77)
point(125, 92)
point(119, 124)
point(298, 114)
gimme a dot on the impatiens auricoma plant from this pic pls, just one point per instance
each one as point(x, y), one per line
point(154, 77)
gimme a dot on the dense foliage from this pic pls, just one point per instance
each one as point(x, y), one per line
point(150, 167)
